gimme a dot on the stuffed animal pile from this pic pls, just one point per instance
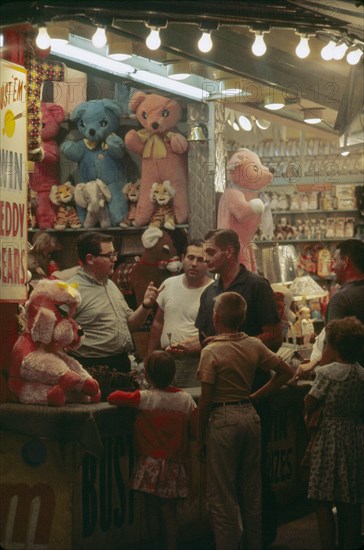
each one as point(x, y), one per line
point(163, 152)
point(240, 208)
point(46, 165)
point(41, 372)
point(100, 152)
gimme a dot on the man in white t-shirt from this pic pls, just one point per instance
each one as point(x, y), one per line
point(173, 327)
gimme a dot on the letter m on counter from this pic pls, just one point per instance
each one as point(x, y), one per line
point(26, 516)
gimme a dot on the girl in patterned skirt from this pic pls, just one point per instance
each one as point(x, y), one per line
point(161, 435)
point(337, 467)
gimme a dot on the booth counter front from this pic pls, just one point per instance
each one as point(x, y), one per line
point(65, 475)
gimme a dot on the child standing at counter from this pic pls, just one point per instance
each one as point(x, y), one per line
point(337, 455)
point(161, 434)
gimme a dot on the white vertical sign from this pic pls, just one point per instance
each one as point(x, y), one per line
point(13, 182)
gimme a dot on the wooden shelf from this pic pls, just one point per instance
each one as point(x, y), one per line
point(125, 230)
point(336, 211)
point(298, 241)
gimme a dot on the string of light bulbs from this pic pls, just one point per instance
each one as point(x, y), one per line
point(335, 49)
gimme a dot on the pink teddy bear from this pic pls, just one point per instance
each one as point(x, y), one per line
point(46, 168)
point(240, 208)
point(163, 150)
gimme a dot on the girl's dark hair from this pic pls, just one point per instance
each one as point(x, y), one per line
point(346, 336)
point(160, 368)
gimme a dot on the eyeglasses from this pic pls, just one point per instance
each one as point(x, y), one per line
point(110, 255)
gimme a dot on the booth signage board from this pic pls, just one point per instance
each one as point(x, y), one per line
point(13, 182)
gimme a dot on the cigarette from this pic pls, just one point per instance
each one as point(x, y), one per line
point(161, 288)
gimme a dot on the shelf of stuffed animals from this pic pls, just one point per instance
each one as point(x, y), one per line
point(121, 230)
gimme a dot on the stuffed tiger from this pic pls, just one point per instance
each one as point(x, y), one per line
point(63, 196)
point(162, 195)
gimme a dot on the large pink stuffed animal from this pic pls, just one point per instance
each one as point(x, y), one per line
point(240, 208)
point(46, 170)
point(41, 372)
point(163, 150)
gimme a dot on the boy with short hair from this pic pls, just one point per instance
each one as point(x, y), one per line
point(229, 425)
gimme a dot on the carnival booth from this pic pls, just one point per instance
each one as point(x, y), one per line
point(123, 145)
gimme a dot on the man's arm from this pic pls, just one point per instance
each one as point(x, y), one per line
point(283, 373)
point(272, 336)
point(154, 341)
point(137, 318)
point(204, 410)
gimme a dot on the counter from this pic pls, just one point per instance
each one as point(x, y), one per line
point(65, 474)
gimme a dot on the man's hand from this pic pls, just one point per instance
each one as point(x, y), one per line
point(151, 295)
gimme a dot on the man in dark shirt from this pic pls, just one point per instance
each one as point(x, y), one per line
point(222, 249)
point(222, 255)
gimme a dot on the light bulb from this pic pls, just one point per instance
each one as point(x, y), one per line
point(328, 51)
point(259, 48)
point(43, 40)
point(262, 123)
point(354, 56)
point(205, 42)
point(245, 123)
point(303, 49)
point(99, 39)
point(345, 153)
point(339, 51)
point(153, 40)
point(236, 126)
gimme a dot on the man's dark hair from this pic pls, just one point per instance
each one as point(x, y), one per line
point(89, 243)
point(224, 238)
point(354, 250)
point(160, 368)
point(193, 242)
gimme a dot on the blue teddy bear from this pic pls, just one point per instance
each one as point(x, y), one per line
point(99, 154)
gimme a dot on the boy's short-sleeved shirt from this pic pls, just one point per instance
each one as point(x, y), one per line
point(229, 363)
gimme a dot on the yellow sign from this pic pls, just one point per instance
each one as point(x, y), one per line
point(13, 183)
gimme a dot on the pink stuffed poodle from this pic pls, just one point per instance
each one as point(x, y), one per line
point(240, 208)
point(163, 150)
point(41, 372)
point(46, 165)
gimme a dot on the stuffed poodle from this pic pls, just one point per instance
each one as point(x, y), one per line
point(240, 208)
point(94, 196)
point(163, 150)
point(100, 153)
point(41, 372)
point(46, 165)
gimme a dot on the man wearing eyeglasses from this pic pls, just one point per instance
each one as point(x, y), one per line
point(105, 317)
point(173, 327)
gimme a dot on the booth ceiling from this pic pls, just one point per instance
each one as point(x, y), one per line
point(334, 86)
